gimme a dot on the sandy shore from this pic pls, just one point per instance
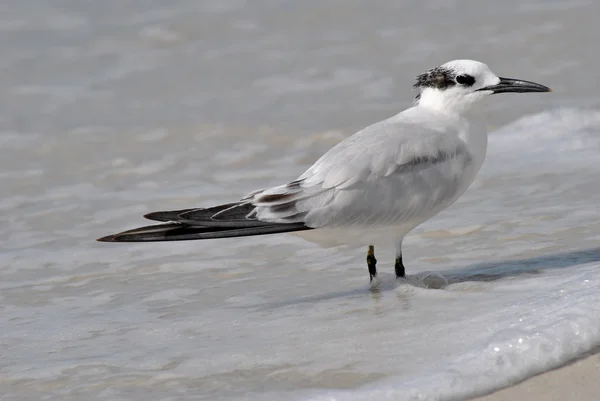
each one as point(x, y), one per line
point(578, 381)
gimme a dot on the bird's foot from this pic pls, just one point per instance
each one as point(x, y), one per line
point(374, 284)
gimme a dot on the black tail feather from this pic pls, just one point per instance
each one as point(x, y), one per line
point(166, 216)
point(231, 215)
point(183, 232)
point(223, 221)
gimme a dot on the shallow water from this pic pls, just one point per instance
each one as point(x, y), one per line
point(113, 109)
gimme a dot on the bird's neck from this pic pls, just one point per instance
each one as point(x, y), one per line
point(470, 130)
point(442, 102)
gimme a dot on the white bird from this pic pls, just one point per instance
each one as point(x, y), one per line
point(376, 185)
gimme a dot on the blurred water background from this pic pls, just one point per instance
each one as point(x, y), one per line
point(111, 109)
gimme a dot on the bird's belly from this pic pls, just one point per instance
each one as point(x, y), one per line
point(376, 227)
point(355, 236)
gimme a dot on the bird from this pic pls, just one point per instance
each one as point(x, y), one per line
point(375, 186)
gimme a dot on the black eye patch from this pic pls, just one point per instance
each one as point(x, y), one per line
point(465, 79)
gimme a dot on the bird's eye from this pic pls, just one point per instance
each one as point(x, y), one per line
point(465, 80)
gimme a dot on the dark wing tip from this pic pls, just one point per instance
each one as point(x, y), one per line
point(166, 216)
point(153, 215)
point(109, 238)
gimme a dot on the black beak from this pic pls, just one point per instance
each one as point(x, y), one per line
point(516, 86)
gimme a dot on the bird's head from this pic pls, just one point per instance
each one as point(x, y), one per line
point(455, 86)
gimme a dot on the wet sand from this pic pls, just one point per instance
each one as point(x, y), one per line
point(576, 381)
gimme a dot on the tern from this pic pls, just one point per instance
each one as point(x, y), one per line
point(373, 187)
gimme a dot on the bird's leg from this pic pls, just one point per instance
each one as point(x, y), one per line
point(371, 263)
point(399, 266)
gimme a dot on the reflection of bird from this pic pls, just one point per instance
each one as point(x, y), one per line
point(374, 186)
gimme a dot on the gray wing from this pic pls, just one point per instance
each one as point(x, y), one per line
point(391, 172)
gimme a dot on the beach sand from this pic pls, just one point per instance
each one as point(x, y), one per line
point(577, 381)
